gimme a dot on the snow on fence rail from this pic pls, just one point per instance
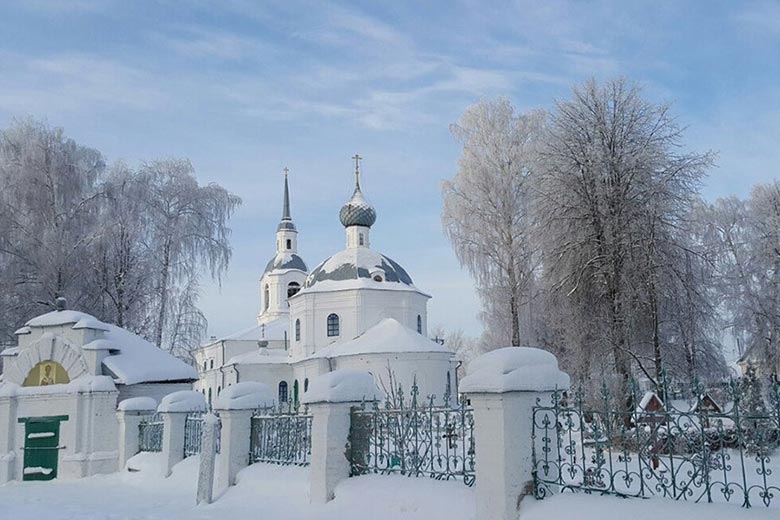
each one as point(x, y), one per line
point(695, 452)
point(150, 433)
point(281, 435)
point(416, 440)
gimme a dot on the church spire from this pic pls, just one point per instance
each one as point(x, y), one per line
point(286, 223)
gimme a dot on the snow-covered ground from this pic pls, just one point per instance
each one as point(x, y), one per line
point(280, 493)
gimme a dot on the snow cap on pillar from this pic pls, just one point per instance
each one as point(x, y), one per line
point(514, 369)
point(342, 386)
point(183, 401)
point(247, 395)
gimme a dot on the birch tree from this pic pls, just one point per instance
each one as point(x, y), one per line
point(611, 184)
point(486, 211)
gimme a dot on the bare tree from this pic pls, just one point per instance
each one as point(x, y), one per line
point(486, 215)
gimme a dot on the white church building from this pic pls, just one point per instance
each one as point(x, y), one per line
point(357, 309)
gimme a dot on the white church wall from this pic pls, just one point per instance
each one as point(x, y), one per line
point(154, 390)
point(429, 369)
point(270, 374)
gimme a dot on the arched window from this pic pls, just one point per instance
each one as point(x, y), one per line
point(419, 324)
point(360, 239)
point(266, 297)
point(289, 244)
point(283, 392)
point(293, 288)
point(211, 364)
point(219, 389)
point(297, 330)
point(209, 397)
point(306, 385)
point(205, 365)
point(333, 325)
point(295, 392)
point(448, 388)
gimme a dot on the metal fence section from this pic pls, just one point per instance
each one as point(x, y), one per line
point(281, 436)
point(150, 433)
point(416, 440)
point(193, 432)
point(694, 450)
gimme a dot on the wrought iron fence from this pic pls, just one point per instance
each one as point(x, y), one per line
point(281, 436)
point(150, 433)
point(691, 450)
point(416, 440)
point(193, 432)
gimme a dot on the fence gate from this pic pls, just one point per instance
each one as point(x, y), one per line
point(416, 440)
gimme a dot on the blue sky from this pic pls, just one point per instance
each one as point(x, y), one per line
point(246, 88)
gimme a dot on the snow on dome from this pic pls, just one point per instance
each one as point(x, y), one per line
point(514, 369)
point(135, 361)
point(387, 336)
point(23, 330)
point(358, 263)
point(285, 260)
point(183, 401)
point(342, 386)
point(357, 211)
point(246, 395)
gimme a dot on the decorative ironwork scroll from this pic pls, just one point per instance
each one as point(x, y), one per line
point(281, 436)
point(150, 434)
point(692, 450)
point(416, 440)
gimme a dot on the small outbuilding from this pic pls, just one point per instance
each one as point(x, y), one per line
point(59, 391)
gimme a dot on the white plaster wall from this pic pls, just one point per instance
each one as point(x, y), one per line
point(430, 369)
point(154, 390)
point(270, 374)
point(358, 310)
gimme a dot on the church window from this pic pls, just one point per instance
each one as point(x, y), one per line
point(295, 392)
point(448, 388)
point(360, 239)
point(297, 330)
point(205, 366)
point(219, 390)
point(266, 297)
point(377, 278)
point(293, 288)
point(306, 385)
point(209, 397)
point(333, 325)
point(289, 244)
point(47, 373)
point(283, 392)
point(211, 364)
point(419, 324)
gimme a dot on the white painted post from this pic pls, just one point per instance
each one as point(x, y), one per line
point(330, 398)
point(503, 386)
point(208, 456)
point(173, 410)
point(130, 413)
point(235, 407)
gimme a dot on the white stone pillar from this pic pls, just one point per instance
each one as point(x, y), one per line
point(235, 406)
point(7, 433)
point(173, 410)
point(208, 456)
point(503, 386)
point(330, 398)
point(130, 413)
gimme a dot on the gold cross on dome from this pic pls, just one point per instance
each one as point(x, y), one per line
point(286, 171)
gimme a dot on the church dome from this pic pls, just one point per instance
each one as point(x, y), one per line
point(357, 211)
point(363, 265)
point(284, 261)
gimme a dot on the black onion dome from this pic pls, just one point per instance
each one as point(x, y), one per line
point(357, 211)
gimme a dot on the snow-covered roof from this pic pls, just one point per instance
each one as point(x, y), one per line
point(645, 402)
point(265, 356)
point(386, 337)
point(284, 261)
point(270, 330)
point(358, 264)
point(135, 360)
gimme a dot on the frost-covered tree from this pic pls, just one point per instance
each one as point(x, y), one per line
point(486, 212)
point(187, 232)
point(612, 186)
point(49, 191)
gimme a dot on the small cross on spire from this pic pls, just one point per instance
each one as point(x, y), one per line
point(357, 168)
point(286, 171)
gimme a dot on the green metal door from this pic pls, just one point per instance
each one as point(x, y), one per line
point(41, 448)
